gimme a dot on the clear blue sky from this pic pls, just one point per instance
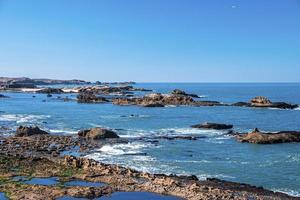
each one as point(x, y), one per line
point(152, 40)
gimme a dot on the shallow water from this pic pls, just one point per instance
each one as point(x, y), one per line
point(2, 196)
point(215, 155)
point(37, 181)
point(84, 183)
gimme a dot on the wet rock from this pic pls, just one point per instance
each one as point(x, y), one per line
point(97, 133)
point(216, 126)
point(23, 131)
point(181, 92)
point(152, 105)
point(242, 104)
point(90, 98)
point(208, 103)
point(258, 137)
point(50, 91)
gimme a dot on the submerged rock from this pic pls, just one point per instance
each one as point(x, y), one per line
point(3, 96)
point(90, 98)
point(97, 133)
point(23, 131)
point(258, 137)
point(216, 126)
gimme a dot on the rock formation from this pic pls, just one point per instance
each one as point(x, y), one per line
point(23, 131)
point(97, 133)
point(258, 137)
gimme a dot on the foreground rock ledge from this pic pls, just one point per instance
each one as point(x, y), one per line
point(117, 179)
point(259, 137)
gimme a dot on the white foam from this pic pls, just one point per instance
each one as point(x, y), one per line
point(63, 131)
point(288, 191)
point(22, 118)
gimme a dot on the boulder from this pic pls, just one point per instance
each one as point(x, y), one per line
point(97, 133)
point(259, 137)
point(216, 126)
point(90, 98)
point(23, 131)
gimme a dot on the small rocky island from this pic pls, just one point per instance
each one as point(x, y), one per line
point(258, 137)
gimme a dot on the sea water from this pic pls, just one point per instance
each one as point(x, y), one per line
point(275, 167)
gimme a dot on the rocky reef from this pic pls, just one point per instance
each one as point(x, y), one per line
point(259, 137)
point(161, 100)
point(263, 102)
point(208, 125)
point(90, 98)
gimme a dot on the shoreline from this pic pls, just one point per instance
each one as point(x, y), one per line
point(33, 158)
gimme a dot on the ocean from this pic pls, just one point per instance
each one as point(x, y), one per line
point(275, 167)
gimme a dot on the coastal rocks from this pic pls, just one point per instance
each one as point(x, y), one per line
point(181, 92)
point(208, 103)
point(258, 137)
point(90, 98)
point(263, 102)
point(50, 91)
point(156, 100)
point(23, 131)
point(97, 133)
point(215, 126)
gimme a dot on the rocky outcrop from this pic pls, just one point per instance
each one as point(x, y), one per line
point(50, 91)
point(156, 100)
point(215, 126)
point(258, 137)
point(90, 98)
point(23, 131)
point(97, 133)
point(181, 92)
point(263, 102)
point(160, 100)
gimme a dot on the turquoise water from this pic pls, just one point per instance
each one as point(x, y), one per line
point(275, 167)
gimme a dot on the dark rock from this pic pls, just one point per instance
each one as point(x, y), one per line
point(258, 137)
point(181, 92)
point(23, 131)
point(3, 96)
point(242, 104)
point(50, 91)
point(97, 133)
point(216, 126)
point(208, 103)
point(153, 105)
point(49, 95)
point(90, 98)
